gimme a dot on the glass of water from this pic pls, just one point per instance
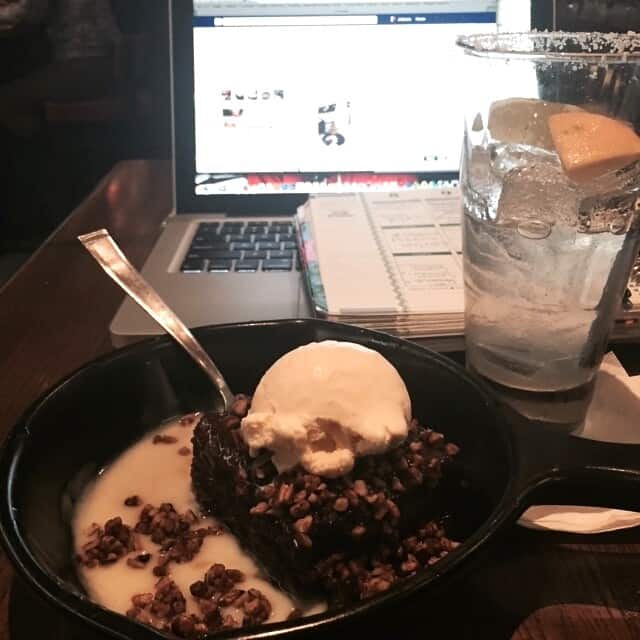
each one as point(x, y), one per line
point(550, 179)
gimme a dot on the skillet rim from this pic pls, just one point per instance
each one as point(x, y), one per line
point(53, 589)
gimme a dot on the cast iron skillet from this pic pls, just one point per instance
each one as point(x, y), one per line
point(78, 426)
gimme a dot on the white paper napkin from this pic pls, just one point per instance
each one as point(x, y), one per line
point(612, 417)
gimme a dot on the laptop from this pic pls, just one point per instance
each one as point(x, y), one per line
point(273, 101)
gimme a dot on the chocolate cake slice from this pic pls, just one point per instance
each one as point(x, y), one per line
point(345, 537)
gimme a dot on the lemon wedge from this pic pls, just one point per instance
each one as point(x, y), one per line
point(590, 144)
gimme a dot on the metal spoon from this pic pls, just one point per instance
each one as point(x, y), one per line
point(109, 256)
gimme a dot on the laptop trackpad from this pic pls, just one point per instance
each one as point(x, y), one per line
point(245, 297)
point(203, 299)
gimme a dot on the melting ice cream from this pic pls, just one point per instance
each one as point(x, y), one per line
point(325, 403)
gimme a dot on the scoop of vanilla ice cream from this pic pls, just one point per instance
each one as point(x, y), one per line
point(325, 403)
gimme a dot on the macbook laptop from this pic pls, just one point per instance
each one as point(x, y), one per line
point(272, 101)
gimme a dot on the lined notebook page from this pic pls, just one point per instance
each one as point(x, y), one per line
point(353, 272)
point(389, 253)
point(421, 241)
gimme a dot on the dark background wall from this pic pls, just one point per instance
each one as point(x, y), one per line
point(45, 173)
point(598, 15)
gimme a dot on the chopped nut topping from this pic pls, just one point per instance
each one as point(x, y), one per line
point(107, 544)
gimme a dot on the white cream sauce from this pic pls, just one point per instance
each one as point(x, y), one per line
point(158, 473)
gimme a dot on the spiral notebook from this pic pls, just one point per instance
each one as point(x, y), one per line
point(390, 260)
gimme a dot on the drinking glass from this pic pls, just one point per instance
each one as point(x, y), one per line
point(550, 180)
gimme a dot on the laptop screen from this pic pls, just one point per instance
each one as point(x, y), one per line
point(310, 96)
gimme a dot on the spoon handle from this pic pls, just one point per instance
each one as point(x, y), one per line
point(109, 256)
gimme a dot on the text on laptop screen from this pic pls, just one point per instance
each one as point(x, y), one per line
point(312, 97)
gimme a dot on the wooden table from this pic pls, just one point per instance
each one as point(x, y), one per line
point(54, 317)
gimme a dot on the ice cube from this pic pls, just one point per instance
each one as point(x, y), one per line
point(626, 180)
point(481, 186)
point(536, 197)
point(505, 157)
point(523, 121)
point(608, 212)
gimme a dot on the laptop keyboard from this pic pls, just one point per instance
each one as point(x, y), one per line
point(244, 246)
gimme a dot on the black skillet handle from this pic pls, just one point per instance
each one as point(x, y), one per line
point(553, 467)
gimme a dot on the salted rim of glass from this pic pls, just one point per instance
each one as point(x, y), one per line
point(594, 47)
